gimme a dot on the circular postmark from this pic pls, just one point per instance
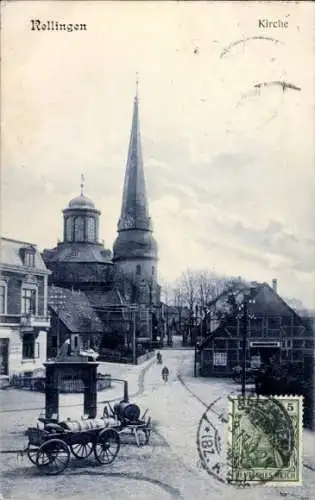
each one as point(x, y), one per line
point(246, 442)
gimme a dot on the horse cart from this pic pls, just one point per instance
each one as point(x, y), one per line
point(50, 447)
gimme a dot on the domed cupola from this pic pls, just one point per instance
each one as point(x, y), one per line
point(80, 202)
point(81, 220)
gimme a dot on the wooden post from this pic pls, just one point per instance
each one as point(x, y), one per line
point(51, 391)
point(90, 390)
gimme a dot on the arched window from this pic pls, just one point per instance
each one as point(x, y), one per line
point(90, 229)
point(69, 232)
point(79, 229)
point(138, 269)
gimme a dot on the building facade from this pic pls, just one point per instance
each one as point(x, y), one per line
point(24, 317)
point(274, 332)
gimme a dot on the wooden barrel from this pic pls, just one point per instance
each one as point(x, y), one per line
point(129, 411)
point(84, 425)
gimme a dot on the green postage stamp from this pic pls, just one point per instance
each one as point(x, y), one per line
point(265, 436)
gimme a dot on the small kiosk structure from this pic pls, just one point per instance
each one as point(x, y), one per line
point(68, 364)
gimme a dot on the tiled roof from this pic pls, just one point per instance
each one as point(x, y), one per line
point(106, 298)
point(76, 252)
point(10, 254)
point(76, 312)
point(265, 300)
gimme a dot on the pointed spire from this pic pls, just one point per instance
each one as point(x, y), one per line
point(134, 210)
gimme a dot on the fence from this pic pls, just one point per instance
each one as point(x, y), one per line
point(71, 384)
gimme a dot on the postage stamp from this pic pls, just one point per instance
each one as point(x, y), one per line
point(265, 438)
point(212, 439)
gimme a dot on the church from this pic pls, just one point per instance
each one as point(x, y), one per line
point(96, 294)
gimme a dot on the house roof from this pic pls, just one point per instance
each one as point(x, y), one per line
point(76, 311)
point(11, 254)
point(265, 301)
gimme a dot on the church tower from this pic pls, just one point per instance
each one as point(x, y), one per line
point(135, 249)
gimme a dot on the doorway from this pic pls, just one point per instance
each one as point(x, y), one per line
point(4, 356)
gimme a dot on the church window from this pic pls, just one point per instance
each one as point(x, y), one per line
point(91, 229)
point(138, 269)
point(79, 229)
point(69, 234)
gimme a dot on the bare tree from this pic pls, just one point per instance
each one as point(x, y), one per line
point(198, 291)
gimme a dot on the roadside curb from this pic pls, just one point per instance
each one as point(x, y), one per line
point(140, 384)
point(184, 384)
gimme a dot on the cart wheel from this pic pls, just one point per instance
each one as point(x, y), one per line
point(82, 450)
point(53, 457)
point(108, 410)
point(31, 452)
point(107, 446)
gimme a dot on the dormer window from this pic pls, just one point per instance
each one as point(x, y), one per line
point(30, 259)
point(28, 256)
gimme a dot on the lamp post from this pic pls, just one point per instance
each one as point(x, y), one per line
point(134, 353)
point(132, 310)
point(57, 298)
point(245, 314)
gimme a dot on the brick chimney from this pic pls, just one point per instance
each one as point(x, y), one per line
point(275, 285)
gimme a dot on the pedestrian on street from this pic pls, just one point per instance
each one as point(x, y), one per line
point(165, 374)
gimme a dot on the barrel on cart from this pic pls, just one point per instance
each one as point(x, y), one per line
point(128, 416)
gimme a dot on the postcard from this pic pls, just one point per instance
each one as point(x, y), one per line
point(157, 250)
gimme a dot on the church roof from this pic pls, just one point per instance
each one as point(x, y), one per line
point(106, 298)
point(135, 244)
point(81, 202)
point(78, 252)
point(134, 210)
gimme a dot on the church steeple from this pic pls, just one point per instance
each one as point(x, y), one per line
point(135, 249)
point(134, 210)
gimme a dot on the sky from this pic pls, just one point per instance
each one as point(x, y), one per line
point(229, 165)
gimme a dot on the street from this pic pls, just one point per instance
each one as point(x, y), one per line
point(168, 468)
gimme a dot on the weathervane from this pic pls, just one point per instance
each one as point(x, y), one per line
point(82, 183)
